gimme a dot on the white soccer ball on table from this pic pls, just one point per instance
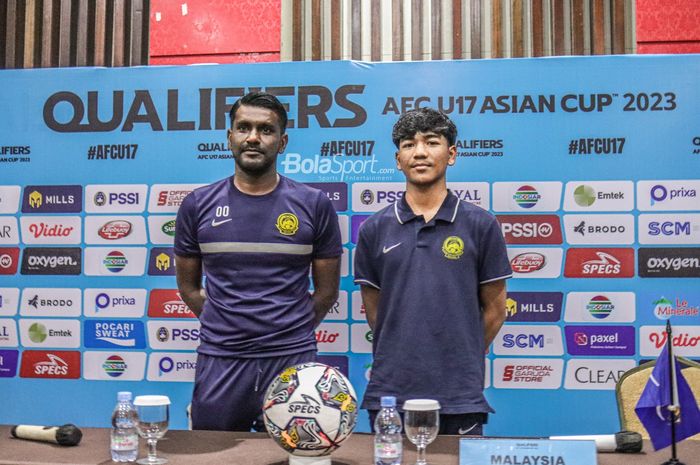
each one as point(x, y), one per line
point(310, 409)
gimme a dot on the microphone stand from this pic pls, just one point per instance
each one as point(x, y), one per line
point(672, 387)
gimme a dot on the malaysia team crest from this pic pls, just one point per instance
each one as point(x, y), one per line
point(287, 224)
point(453, 247)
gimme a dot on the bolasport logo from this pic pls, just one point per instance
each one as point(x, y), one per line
point(50, 229)
point(599, 263)
point(679, 307)
point(685, 339)
point(534, 306)
point(9, 259)
point(600, 340)
point(527, 373)
point(671, 262)
point(530, 229)
point(51, 261)
point(110, 334)
point(334, 168)
point(55, 364)
point(52, 199)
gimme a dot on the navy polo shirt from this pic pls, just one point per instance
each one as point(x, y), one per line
point(256, 251)
point(429, 335)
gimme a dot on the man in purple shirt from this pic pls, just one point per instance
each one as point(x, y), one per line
point(254, 236)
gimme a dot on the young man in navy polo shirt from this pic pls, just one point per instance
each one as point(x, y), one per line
point(432, 272)
point(254, 236)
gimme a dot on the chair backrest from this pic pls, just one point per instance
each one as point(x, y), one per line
point(631, 385)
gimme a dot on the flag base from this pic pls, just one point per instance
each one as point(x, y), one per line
point(673, 462)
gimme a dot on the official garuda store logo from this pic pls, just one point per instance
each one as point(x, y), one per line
point(287, 224)
point(453, 247)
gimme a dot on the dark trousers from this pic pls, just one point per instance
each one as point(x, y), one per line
point(229, 392)
point(469, 424)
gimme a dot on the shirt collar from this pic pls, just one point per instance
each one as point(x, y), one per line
point(447, 211)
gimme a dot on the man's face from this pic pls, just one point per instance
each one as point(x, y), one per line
point(424, 158)
point(256, 139)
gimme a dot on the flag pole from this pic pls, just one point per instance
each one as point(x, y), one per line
point(673, 408)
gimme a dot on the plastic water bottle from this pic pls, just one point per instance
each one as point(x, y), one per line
point(387, 434)
point(124, 440)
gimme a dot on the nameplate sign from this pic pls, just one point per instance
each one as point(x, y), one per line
point(526, 452)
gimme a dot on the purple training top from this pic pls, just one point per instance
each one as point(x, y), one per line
point(256, 252)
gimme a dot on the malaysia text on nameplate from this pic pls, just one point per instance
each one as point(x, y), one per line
point(526, 452)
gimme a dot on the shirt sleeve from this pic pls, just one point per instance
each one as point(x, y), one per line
point(493, 255)
point(186, 241)
point(327, 241)
point(366, 267)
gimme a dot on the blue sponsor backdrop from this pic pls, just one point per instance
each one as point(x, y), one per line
point(565, 122)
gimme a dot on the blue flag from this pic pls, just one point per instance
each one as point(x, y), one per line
point(652, 407)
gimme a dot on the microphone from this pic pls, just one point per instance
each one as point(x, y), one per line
point(623, 441)
point(66, 435)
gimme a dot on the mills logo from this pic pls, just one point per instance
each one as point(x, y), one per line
point(534, 306)
point(114, 230)
point(52, 199)
point(337, 193)
point(161, 262)
point(55, 364)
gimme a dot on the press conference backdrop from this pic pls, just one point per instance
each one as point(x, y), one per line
point(592, 166)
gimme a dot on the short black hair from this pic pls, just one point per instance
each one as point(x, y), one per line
point(423, 120)
point(263, 100)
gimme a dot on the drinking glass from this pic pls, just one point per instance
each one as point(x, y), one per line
point(154, 415)
point(422, 422)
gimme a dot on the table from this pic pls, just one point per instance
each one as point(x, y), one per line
point(220, 448)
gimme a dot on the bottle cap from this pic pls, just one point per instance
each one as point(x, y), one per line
point(124, 396)
point(388, 401)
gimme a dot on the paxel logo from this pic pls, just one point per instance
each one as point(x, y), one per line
point(592, 374)
point(528, 340)
point(167, 303)
point(109, 334)
point(527, 373)
point(9, 259)
point(599, 263)
point(675, 228)
point(530, 229)
point(51, 261)
point(52, 199)
point(173, 335)
point(533, 306)
point(54, 364)
point(8, 363)
point(171, 366)
point(161, 262)
point(669, 262)
point(600, 340)
point(115, 198)
point(110, 303)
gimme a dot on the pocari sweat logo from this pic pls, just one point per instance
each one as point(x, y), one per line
point(108, 334)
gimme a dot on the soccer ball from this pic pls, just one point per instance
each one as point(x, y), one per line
point(310, 409)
